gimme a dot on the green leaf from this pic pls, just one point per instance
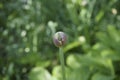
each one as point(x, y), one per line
point(57, 72)
point(81, 73)
point(110, 54)
point(71, 46)
point(39, 73)
point(99, 76)
point(100, 63)
point(72, 61)
point(99, 16)
point(114, 36)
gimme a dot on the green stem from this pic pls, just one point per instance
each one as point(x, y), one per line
point(62, 62)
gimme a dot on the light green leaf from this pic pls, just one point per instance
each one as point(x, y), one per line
point(99, 16)
point(71, 46)
point(99, 76)
point(39, 73)
point(57, 73)
point(72, 61)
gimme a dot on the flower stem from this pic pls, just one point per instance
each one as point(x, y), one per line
point(61, 55)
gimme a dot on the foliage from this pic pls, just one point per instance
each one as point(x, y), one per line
point(27, 51)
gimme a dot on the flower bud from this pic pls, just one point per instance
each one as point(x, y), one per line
point(59, 39)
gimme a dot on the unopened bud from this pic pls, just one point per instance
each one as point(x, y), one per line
point(59, 39)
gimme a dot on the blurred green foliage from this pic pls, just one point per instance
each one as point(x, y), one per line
point(91, 53)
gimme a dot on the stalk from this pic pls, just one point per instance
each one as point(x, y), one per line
point(61, 55)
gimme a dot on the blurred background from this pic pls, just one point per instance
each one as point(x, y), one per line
point(92, 51)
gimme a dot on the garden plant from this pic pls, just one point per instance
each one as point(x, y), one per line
point(59, 39)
